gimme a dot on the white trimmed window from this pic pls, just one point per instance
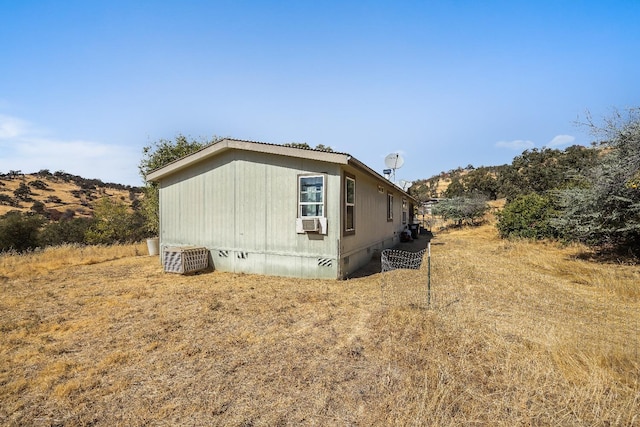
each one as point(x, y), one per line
point(404, 211)
point(389, 207)
point(349, 204)
point(311, 196)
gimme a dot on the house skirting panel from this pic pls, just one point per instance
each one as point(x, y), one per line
point(313, 266)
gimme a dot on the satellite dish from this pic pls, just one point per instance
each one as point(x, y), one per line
point(405, 184)
point(393, 161)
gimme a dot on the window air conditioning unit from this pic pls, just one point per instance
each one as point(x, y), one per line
point(311, 225)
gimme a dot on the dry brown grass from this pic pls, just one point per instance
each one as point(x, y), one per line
point(43, 261)
point(517, 334)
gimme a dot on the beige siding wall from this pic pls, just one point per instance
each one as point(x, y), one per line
point(373, 232)
point(242, 205)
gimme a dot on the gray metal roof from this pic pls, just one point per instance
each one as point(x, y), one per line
point(263, 147)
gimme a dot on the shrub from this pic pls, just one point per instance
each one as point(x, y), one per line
point(527, 216)
point(8, 201)
point(39, 184)
point(462, 210)
point(38, 207)
point(113, 223)
point(605, 212)
point(23, 192)
point(19, 232)
point(65, 231)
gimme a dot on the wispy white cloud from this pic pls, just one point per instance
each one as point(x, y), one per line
point(52, 148)
point(518, 144)
point(23, 147)
point(561, 140)
point(12, 127)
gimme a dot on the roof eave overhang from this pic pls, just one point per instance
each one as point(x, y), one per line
point(359, 165)
point(227, 144)
point(234, 144)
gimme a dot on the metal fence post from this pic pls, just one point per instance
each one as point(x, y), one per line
point(429, 273)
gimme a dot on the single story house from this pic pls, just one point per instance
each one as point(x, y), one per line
point(277, 210)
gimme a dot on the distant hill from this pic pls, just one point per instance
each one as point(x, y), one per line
point(534, 171)
point(59, 194)
point(436, 186)
point(433, 187)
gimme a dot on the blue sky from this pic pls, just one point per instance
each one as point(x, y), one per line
point(84, 85)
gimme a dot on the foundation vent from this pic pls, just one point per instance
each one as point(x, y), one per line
point(325, 262)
